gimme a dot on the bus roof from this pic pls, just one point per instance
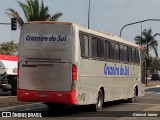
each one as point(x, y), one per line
point(98, 33)
point(48, 22)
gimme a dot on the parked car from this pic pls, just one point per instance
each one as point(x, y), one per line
point(155, 76)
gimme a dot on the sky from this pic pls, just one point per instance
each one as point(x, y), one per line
point(105, 15)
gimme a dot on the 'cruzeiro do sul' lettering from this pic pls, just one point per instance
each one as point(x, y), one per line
point(46, 38)
point(114, 70)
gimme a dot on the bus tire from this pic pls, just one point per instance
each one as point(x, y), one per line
point(14, 86)
point(1, 90)
point(99, 104)
point(134, 98)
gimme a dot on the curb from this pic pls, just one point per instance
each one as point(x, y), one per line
point(157, 86)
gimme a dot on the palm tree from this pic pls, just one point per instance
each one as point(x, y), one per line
point(148, 41)
point(33, 11)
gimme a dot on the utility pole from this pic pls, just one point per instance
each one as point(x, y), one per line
point(137, 23)
point(5, 23)
point(89, 14)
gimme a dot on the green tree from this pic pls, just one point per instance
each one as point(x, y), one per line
point(155, 65)
point(33, 11)
point(9, 48)
point(148, 41)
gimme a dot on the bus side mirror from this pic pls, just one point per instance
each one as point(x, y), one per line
point(13, 24)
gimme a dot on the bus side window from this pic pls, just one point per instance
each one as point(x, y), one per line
point(130, 54)
point(117, 51)
point(98, 48)
point(94, 47)
point(84, 42)
point(100, 51)
point(112, 50)
point(133, 55)
point(121, 52)
point(137, 56)
point(126, 55)
point(107, 50)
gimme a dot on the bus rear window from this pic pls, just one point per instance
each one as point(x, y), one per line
point(46, 42)
point(44, 38)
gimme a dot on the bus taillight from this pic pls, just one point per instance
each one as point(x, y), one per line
point(18, 71)
point(18, 75)
point(74, 72)
point(74, 77)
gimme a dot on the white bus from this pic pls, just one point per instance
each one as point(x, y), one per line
point(62, 63)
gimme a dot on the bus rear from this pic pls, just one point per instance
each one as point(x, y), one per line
point(47, 68)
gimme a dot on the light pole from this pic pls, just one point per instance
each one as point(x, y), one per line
point(137, 23)
point(5, 23)
point(89, 14)
point(156, 34)
point(141, 34)
point(13, 24)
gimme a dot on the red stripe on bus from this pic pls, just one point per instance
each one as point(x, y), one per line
point(8, 57)
point(47, 96)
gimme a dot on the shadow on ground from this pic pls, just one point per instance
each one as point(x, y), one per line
point(87, 111)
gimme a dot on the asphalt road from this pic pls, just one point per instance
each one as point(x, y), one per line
point(117, 110)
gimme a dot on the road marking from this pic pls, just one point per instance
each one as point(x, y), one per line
point(33, 108)
point(7, 97)
point(142, 103)
point(151, 93)
point(150, 97)
point(13, 107)
point(148, 92)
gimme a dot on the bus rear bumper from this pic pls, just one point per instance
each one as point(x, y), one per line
point(68, 97)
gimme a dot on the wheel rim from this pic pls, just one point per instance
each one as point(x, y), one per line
point(99, 101)
point(134, 96)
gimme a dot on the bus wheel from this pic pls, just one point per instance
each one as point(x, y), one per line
point(134, 98)
point(14, 86)
point(1, 90)
point(99, 103)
